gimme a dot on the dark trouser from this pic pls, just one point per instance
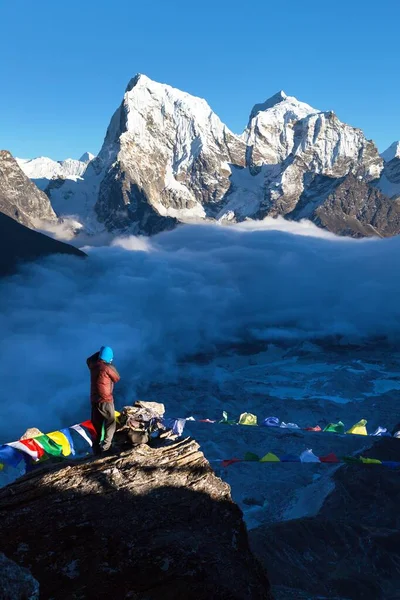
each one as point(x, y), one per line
point(103, 413)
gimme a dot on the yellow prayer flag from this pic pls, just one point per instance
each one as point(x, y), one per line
point(247, 419)
point(62, 440)
point(370, 461)
point(359, 428)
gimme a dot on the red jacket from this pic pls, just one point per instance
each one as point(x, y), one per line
point(102, 379)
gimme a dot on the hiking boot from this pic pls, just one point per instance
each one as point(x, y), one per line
point(96, 449)
point(105, 451)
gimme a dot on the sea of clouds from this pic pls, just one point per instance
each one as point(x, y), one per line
point(158, 300)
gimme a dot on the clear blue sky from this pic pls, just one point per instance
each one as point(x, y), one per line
point(64, 65)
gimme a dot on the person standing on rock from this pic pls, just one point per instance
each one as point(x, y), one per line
point(103, 376)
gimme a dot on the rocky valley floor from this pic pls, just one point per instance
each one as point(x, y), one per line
point(323, 531)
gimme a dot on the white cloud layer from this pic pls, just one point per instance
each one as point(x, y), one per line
point(158, 300)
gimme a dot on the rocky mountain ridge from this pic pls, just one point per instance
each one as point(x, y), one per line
point(42, 170)
point(20, 199)
point(24, 208)
point(168, 158)
point(20, 244)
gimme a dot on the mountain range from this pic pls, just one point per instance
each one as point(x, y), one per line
point(168, 158)
point(23, 207)
point(42, 169)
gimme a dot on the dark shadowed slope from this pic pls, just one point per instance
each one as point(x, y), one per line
point(19, 244)
point(350, 549)
point(146, 524)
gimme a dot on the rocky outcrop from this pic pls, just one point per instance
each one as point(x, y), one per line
point(148, 523)
point(16, 583)
point(350, 549)
point(348, 206)
point(18, 245)
point(20, 199)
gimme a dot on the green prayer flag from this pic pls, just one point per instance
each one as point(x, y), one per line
point(225, 420)
point(351, 459)
point(49, 446)
point(251, 456)
point(270, 457)
point(335, 427)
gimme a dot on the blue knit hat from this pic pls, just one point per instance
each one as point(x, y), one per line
point(106, 354)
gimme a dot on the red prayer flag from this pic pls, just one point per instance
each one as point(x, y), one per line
point(230, 461)
point(316, 428)
point(34, 446)
point(89, 425)
point(329, 458)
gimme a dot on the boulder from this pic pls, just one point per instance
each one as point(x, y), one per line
point(145, 523)
point(16, 583)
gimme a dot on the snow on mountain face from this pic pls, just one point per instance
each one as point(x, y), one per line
point(325, 146)
point(269, 135)
point(41, 170)
point(87, 157)
point(293, 146)
point(389, 182)
point(174, 153)
point(19, 197)
point(167, 158)
point(392, 152)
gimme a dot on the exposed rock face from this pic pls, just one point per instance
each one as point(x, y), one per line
point(171, 157)
point(16, 583)
point(269, 135)
point(20, 199)
point(348, 206)
point(150, 523)
point(357, 209)
point(350, 549)
point(167, 158)
point(18, 244)
point(322, 146)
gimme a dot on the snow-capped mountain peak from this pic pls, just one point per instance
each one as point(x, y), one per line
point(389, 182)
point(167, 157)
point(86, 157)
point(43, 169)
point(275, 99)
point(269, 132)
point(392, 152)
point(172, 146)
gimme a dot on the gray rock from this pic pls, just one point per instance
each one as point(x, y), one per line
point(148, 523)
point(16, 583)
point(20, 199)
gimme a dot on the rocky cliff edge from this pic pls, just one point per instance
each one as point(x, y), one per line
point(147, 523)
